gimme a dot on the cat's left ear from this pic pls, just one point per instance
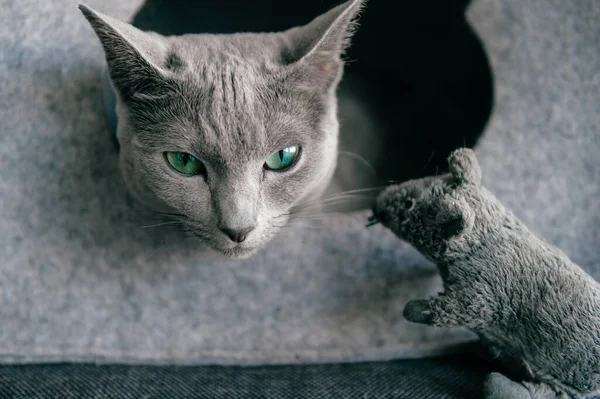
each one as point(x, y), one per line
point(315, 50)
point(138, 61)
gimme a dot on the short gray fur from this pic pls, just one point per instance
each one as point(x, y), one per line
point(231, 101)
point(81, 281)
point(536, 310)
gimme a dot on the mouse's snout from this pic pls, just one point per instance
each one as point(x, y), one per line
point(380, 215)
point(381, 209)
point(392, 207)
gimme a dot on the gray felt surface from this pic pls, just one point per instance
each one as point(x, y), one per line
point(81, 280)
point(541, 152)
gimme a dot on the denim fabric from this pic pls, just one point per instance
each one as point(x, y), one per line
point(450, 378)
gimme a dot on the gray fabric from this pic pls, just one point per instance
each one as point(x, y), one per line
point(449, 378)
point(80, 280)
point(541, 152)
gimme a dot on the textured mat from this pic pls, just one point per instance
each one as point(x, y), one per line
point(81, 280)
point(449, 378)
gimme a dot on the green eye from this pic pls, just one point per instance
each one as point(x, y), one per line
point(184, 163)
point(283, 159)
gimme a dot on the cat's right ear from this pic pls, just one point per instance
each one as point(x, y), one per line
point(135, 59)
point(314, 51)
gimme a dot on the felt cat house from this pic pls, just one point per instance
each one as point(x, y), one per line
point(75, 254)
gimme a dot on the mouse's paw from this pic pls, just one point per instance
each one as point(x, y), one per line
point(441, 311)
point(498, 386)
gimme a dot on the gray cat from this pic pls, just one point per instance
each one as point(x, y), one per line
point(228, 131)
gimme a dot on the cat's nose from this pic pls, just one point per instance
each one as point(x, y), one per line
point(237, 235)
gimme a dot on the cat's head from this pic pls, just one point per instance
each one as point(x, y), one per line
point(229, 131)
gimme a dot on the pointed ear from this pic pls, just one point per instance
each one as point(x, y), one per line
point(464, 167)
point(315, 50)
point(454, 218)
point(138, 62)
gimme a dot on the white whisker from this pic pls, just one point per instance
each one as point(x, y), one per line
point(161, 224)
point(361, 160)
point(342, 194)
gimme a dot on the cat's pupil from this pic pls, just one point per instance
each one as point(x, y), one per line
point(185, 158)
point(283, 158)
point(184, 163)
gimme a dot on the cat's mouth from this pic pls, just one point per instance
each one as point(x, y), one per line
point(235, 251)
point(257, 239)
point(239, 252)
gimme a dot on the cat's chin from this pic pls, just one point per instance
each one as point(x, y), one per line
point(238, 252)
point(230, 251)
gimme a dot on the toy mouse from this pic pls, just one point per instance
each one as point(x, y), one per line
point(536, 310)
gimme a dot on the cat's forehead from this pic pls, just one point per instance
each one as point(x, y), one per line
point(234, 114)
point(231, 104)
point(236, 50)
point(234, 72)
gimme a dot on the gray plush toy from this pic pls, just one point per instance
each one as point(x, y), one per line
point(536, 310)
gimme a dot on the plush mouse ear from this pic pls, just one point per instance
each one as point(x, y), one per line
point(454, 217)
point(314, 51)
point(464, 166)
point(137, 61)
